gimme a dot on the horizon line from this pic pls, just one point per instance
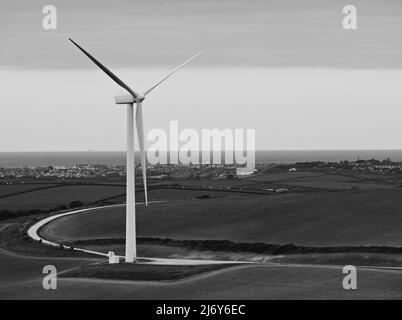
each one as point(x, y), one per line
point(259, 150)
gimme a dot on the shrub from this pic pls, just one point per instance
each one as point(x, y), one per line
point(204, 196)
point(76, 204)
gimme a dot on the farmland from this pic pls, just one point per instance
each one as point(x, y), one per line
point(8, 190)
point(318, 210)
point(313, 180)
point(47, 196)
point(63, 195)
point(249, 282)
point(317, 219)
point(128, 271)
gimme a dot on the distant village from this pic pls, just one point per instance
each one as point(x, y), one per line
point(359, 166)
point(99, 171)
point(191, 171)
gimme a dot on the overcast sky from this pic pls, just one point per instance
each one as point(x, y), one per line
point(286, 68)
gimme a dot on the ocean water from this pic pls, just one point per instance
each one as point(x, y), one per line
point(36, 159)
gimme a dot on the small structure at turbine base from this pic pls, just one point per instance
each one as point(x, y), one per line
point(113, 259)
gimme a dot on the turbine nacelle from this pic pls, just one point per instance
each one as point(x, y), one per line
point(140, 98)
point(125, 98)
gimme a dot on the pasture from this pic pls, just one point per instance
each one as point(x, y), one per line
point(6, 190)
point(142, 272)
point(337, 185)
point(50, 196)
point(320, 181)
point(281, 176)
point(244, 282)
point(350, 218)
point(53, 197)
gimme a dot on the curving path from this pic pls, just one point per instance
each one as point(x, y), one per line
point(33, 233)
point(21, 278)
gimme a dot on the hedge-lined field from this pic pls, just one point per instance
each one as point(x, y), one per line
point(54, 197)
point(350, 218)
point(6, 190)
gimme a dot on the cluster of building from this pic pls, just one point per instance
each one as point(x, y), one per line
point(370, 166)
point(87, 171)
point(375, 166)
point(192, 171)
point(61, 172)
point(359, 166)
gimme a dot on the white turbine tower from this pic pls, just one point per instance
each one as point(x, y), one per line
point(129, 100)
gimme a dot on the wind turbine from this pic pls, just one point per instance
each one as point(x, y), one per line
point(129, 100)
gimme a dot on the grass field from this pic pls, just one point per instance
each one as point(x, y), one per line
point(314, 180)
point(177, 194)
point(281, 176)
point(17, 188)
point(248, 282)
point(141, 272)
point(21, 278)
point(343, 259)
point(351, 218)
point(47, 196)
point(51, 198)
point(338, 185)
point(326, 218)
point(212, 182)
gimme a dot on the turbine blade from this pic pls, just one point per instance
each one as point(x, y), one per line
point(106, 70)
point(140, 132)
point(172, 72)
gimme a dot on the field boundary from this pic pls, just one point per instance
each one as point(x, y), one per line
point(34, 229)
point(237, 247)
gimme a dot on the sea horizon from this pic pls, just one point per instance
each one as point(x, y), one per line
point(15, 159)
